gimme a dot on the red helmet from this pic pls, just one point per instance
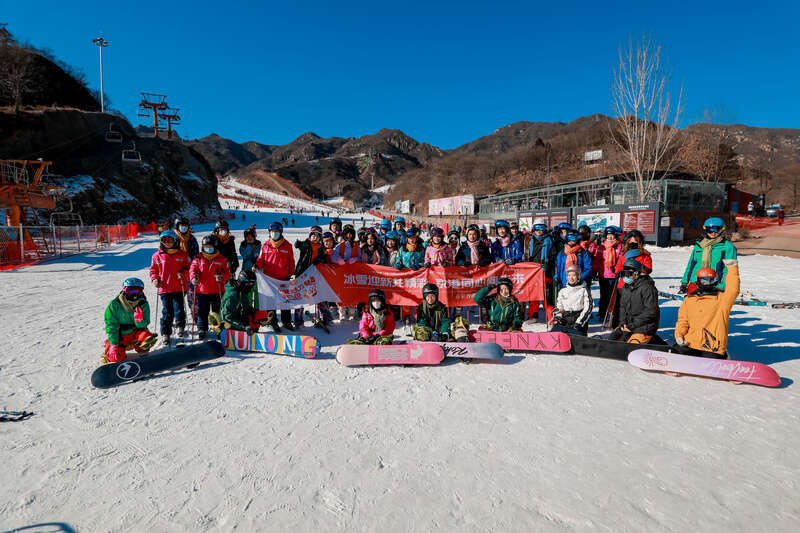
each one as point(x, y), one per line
point(706, 276)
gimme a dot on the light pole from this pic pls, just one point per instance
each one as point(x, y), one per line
point(101, 43)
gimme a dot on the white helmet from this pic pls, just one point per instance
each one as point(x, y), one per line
point(539, 221)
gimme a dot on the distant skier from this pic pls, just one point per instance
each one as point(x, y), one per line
point(638, 305)
point(710, 251)
point(226, 245)
point(503, 309)
point(126, 319)
point(704, 314)
point(377, 321)
point(169, 272)
point(209, 272)
point(573, 305)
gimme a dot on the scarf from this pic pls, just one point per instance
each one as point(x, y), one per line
point(223, 239)
point(183, 240)
point(378, 317)
point(314, 249)
point(572, 254)
point(128, 305)
point(610, 259)
point(276, 244)
point(474, 256)
point(505, 241)
point(504, 301)
point(210, 257)
point(706, 244)
point(411, 247)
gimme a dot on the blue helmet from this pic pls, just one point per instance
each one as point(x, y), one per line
point(276, 226)
point(391, 235)
point(615, 230)
point(413, 232)
point(133, 282)
point(714, 222)
point(386, 224)
point(401, 220)
point(564, 225)
point(501, 224)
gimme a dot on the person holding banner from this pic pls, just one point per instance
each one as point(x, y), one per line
point(503, 309)
point(277, 261)
point(542, 251)
point(505, 249)
point(372, 252)
point(412, 254)
point(377, 321)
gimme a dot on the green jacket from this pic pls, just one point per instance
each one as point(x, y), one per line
point(413, 260)
point(502, 317)
point(436, 318)
point(721, 250)
point(119, 321)
point(237, 307)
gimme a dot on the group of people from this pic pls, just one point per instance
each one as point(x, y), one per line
point(204, 276)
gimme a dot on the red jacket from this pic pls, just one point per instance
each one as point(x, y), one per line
point(206, 271)
point(172, 270)
point(277, 262)
point(367, 325)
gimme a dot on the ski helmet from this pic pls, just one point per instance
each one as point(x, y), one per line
point(221, 223)
point(584, 228)
point(634, 233)
point(706, 277)
point(454, 233)
point(539, 224)
point(377, 293)
point(328, 235)
point(514, 225)
point(564, 225)
point(412, 232)
point(507, 282)
point(573, 268)
point(633, 265)
point(430, 288)
point(246, 276)
point(437, 232)
point(391, 235)
point(714, 225)
point(181, 221)
point(167, 235)
point(276, 226)
point(133, 287)
point(612, 230)
point(501, 224)
point(572, 236)
point(400, 220)
point(250, 231)
point(335, 221)
point(348, 228)
point(386, 224)
point(315, 229)
point(210, 240)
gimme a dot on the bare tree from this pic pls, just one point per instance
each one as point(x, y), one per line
point(646, 123)
point(16, 74)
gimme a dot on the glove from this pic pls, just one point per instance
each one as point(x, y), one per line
point(680, 341)
point(138, 314)
point(116, 353)
point(509, 261)
point(218, 277)
point(426, 265)
point(444, 337)
point(435, 335)
point(249, 330)
point(157, 283)
point(684, 288)
point(730, 262)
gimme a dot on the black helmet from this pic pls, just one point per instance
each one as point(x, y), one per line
point(507, 282)
point(211, 240)
point(377, 293)
point(634, 233)
point(633, 264)
point(336, 220)
point(181, 221)
point(348, 228)
point(250, 231)
point(430, 288)
point(221, 223)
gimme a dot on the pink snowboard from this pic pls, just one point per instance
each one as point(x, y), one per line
point(524, 341)
point(390, 354)
point(745, 371)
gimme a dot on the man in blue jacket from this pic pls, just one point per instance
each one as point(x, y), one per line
point(505, 249)
point(573, 254)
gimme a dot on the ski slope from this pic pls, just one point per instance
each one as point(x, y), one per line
point(255, 442)
point(230, 187)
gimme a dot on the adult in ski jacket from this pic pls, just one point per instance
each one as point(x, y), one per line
point(226, 245)
point(572, 254)
point(505, 249)
point(704, 314)
point(638, 305)
point(540, 247)
point(433, 322)
point(411, 254)
point(276, 259)
point(503, 309)
point(607, 257)
point(249, 248)
point(473, 252)
point(710, 251)
point(126, 319)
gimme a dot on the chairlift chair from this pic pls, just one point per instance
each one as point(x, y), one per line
point(113, 136)
point(131, 156)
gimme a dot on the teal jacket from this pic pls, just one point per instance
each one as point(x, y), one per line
point(436, 318)
point(502, 317)
point(119, 321)
point(413, 260)
point(722, 250)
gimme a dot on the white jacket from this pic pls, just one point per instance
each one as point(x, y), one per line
point(571, 299)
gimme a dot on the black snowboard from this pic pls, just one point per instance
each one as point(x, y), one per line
point(113, 374)
point(597, 347)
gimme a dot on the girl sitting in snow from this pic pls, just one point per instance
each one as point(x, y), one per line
point(573, 305)
point(377, 322)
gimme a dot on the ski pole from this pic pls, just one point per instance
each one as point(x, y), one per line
point(157, 299)
point(194, 309)
point(183, 296)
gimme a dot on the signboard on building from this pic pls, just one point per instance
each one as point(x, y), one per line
point(402, 206)
point(553, 217)
point(594, 155)
point(454, 205)
point(642, 217)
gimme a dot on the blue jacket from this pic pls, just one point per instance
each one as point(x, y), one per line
point(249, 253)
point(584, 262)
point(513, 251)
point(401, 238)
point(413, 260)
point(545, 243)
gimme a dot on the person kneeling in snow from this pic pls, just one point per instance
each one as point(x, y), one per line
point(503, 309)
point(573, 305)
point(703, 317)
point(638, 305)
point(237, 311)
point(377, 322)
point(433, 324)
point(127, 317)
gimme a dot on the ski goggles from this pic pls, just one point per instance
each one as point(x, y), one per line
point(706, 281)
point(629, 272)
point(133, 291)
point(540, 227)
point(713, 229)
point(437, 232)
point(169, 241)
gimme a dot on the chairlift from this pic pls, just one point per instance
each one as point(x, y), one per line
point(131, 156)
point(113, 136)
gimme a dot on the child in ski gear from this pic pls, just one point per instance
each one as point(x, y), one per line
point(703, 316)
point(503, 309)
point(412, 254)
point(226, 245)
point(474, 251)
point(638, 305)
point(249, 248)
point(277, 261)
point(540, 246)
point(560, 234)
point(438, 253)
point(209, 272)
point(169, 272)
point(634, 240)
point(505, 249)
point(186, 240)
point(377, 322)
point(710, 251)
point(609, 253)
point(573, 305)
point(126, 319)
point(385, 227)
point(516, 235)
point(400, 229)
point(572, 254)
point(347, 251)
point(335, 226)
point(454, 241)
point(237, 311)
point(391, 248)
point(372, 252)
point(591, 247)
point(312, 251)
point(432, 320)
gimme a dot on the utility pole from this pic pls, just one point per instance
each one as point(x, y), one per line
point(101, 43)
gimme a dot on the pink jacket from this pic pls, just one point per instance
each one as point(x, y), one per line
point(366, 327)
point(172, 270)
point(277, 262)
point(605, 272)
point(205, 272)
point(437, 256)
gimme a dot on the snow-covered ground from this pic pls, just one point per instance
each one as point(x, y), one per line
point(230, 187)
point(256, 442)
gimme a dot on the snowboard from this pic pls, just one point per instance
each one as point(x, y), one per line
point(598, 347)
point(471, 350)
point(786, 305)
point(113, 374)
point(678, 297)
point(744, 371)
point(295, 345)
point(670, 296)
point(524, 341)
point(416, 353)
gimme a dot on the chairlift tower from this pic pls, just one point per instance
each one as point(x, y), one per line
point(151, 104)
point(171, 117)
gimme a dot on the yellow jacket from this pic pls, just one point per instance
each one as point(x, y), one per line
point(703, 320)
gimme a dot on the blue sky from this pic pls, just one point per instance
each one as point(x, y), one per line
point(443, 72)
